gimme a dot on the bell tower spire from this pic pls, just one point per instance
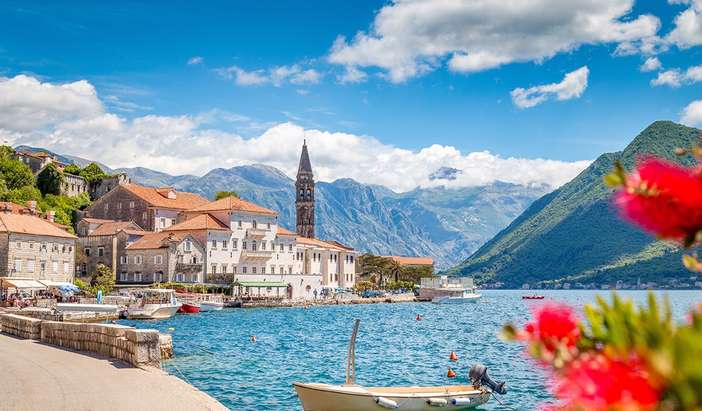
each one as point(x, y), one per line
point(304, 195)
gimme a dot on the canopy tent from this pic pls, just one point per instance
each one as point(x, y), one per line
point(271, 284)
point(64, 287)
point(21, 283)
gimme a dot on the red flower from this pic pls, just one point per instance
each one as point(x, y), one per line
point(663, 198)
point(554, 325)
point(598, 382)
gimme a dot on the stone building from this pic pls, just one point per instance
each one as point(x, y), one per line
point(153, 209)
point(163, 257)
point(34, 248)
point(104, 242)
point(73, 185)
point(304, 196)
point(104, 186)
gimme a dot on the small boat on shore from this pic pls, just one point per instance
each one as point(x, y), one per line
point(153, 304)
point(353, 397)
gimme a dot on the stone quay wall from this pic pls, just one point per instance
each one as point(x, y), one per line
point(70, 316)
point(134, 346)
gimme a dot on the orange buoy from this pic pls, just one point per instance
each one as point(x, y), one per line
point(419, 317)
point(451, 373)
point(253, 338)
point(453, 356)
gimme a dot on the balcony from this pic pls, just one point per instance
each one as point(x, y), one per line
point(256, 255)
point(256, 233)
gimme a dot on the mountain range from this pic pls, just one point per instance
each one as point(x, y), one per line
point(446, 224)
point(573, 234)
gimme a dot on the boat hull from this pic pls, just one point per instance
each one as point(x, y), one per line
point(188, 308)
point(473, 298)
point(153, 313)
point(325, 397)
point(211, 306)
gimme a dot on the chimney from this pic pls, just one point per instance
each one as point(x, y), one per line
point(50, 215)
point(32, 205)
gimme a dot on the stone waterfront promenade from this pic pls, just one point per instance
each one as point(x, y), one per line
point(37, 376)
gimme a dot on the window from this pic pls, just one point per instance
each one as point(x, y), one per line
point(42, 266)
point(101, 251)
point(158, 259)
point(263, 245)
point(233, 269)
point(194, 259)
point(137, 277)
point(30, 266)
point(268, 225)
point(18, 265)
point(263, 270)
point(131, 204)
point(235, 244)
point(243, 270)
point(290, 248)
point(238, 224)
point(193, 278)
point(31, 244)
point(243, 245)
point(225, 244)
point(123, 276)
point(253, 270)
point(119, 206)
point(87, 252)
point(351, 258)
point(282, 247)
point(289, 269)
point(54, 267)
point(163, 222)
point(173, 221)
point(180, 277)
point(253, 246)
point(143, 216)
point(138, 259)
point(214, 244)
point(254, 224)
point(214, 268)
point(19, 244)
point(188, 244)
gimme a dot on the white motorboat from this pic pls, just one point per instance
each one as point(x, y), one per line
point(211, 306)
point(465, 296)
point(153, 304)
point(353, 397)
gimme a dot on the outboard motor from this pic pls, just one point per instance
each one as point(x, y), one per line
point(478, 375)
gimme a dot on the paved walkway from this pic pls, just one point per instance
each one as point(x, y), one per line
point(35, 376)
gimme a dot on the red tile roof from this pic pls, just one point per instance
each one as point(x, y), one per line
point(112, 227)
point(29, 224)
point(233, 203)
point(319, 243)
point(200, 222)
point(285, 232)
point(92, 220)
point(411, 260)
point(159, 197)
point(15, 208)
point(156, 240)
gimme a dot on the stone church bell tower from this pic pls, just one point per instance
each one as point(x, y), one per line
point(304, 198)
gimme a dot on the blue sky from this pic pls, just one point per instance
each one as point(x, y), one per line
point(135, 55)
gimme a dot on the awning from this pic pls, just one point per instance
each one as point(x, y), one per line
point(55, 283)
point(21, 283)
point(260, 284)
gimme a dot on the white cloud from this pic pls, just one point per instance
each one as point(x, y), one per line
point(352, 74)
point(572, 86)
point(411, 37)
point(195, 60)
point(688, 25)
point(651, 64)
point(277, 76)
point(27, 104)
point(676, 77)
point(692, 114)
point(185, 144)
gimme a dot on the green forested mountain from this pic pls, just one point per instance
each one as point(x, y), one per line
point(574, 233)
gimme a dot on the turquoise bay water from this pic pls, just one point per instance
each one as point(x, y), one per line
point(214, 352)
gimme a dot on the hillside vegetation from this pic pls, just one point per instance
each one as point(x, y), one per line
point(573, 234)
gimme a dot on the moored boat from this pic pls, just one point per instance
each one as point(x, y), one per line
point(211, 306)
point(154, 304)
point(533, 297)
point(353, 397)
point(189, 308)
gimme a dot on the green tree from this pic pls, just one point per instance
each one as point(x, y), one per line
point(72, 169)
point(102, 279)
point(92, 173)
point(7, 153)
point(50, 180)
point(224, 194)
point(23, 194)
point(15, 173)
